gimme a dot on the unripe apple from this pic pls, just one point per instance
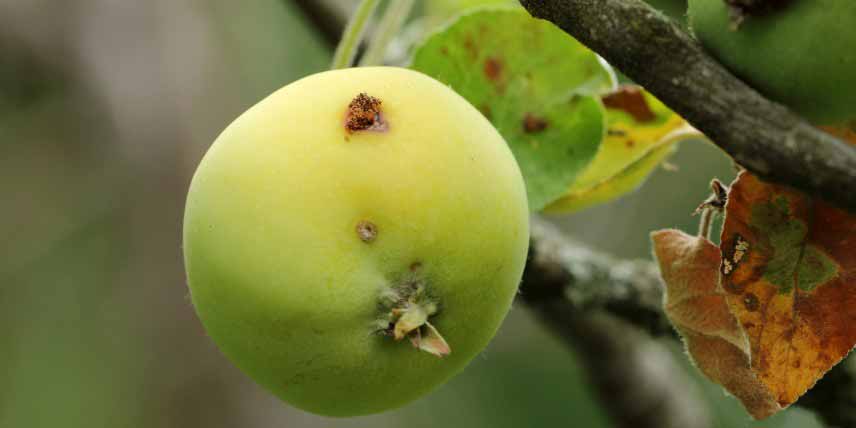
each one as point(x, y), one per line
point(801, 53)
point(676, 9)
point(355, 239)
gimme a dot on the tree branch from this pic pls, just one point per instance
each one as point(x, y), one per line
point(593, 301)
point(764, 137)
point(574, 290)
point(561, 270)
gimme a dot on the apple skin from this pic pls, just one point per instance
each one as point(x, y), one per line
point(803, 56)
point(676, 9)
point(283, 283)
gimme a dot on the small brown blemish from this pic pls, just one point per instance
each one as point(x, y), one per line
point(366, 231)
point(364, 114)
point(415, 266)
point(751, 302)
point(632, 101)
point(470, 47)
point(493, 69)
point(629, 143)
point(533, 124)
point(615, 132)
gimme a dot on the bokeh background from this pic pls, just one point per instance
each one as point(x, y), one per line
point(106, 107)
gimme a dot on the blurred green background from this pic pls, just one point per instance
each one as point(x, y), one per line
point(106, 107)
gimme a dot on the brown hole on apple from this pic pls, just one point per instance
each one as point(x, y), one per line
point(366, 231)
point(365, 114)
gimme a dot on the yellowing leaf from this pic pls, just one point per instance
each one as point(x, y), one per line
point(789, 272)
point(642, 132)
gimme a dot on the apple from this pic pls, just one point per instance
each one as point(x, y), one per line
point(801, 53)
point(355, 239)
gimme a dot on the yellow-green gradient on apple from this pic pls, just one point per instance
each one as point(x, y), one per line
point(303, 239)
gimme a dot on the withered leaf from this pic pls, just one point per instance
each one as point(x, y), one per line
point(696, 305)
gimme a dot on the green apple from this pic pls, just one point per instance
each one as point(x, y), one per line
point(355, 239)
point(801, 53)
point(676, 9)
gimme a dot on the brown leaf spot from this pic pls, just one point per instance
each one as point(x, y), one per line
point(493, 69)
point(751, 302)
point(632, 101)
point(533, 124)
point(470, 47)
point(364, 114)
point(629, 143)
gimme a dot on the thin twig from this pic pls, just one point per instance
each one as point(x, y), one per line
point(353, 34)
point(595, 303)
point(394, 16)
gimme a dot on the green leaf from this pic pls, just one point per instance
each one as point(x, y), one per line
point(537, 85)
point(642, 132)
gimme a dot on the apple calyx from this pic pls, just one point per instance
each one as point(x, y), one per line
point(405, 310)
